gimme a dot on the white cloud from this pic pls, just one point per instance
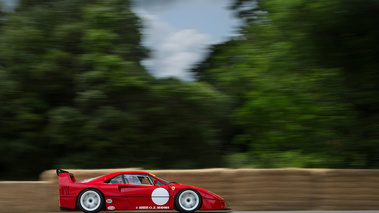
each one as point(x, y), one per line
point(180, 31)
point(174, 50)
point(179, 51)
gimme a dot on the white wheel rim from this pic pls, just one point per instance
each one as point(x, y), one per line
point(90, 200)
point(189, 200)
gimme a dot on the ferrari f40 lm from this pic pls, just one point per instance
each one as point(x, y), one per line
point(133, 190)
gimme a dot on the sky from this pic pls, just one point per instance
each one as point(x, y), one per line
point(179, 32)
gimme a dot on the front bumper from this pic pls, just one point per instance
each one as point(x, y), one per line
point(215, 205)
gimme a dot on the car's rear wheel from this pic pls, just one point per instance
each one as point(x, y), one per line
point(91, 201)
point(188, 200)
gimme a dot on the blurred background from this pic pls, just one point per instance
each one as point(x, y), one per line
point(154, 84)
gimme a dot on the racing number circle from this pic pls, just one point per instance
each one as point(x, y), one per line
point(160, 196)
point(188, 201)
point(90, 201)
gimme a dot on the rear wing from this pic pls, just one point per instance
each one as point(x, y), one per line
point(63, 174)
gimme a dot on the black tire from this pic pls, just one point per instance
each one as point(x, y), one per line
point(188, 200)
point(90, 201)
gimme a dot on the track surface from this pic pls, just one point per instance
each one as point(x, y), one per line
point(352, 211)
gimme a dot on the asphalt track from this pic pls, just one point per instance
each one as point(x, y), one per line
point(173, 211)
point(352, 211)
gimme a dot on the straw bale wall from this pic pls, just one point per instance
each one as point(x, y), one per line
point(351, 189)
point(32, 196)
point(243, 189)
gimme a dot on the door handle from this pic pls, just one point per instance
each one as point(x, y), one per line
point(121, 188)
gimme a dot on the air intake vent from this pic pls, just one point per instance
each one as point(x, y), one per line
point(65, 190)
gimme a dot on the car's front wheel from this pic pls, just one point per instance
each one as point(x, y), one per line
point(91, 201)
point(188, 200)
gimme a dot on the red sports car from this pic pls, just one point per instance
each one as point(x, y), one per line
point(133, 191)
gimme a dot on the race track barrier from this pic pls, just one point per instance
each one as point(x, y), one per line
point(243, 189)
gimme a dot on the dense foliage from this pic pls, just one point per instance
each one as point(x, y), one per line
point(73, 95)
point(304, 79)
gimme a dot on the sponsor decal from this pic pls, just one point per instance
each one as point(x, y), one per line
point(160, 196)
point(109, 201)
point(111, 208)
point(152, 207)
point(143, 207)
point(173, 188)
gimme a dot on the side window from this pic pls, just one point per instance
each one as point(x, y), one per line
point(117, 180)
point(137, 179)
point(144, 180)
point(132, 179)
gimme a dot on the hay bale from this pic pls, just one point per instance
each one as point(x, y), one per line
point(22, 196)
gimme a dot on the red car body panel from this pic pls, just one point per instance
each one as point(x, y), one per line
point(132, 196)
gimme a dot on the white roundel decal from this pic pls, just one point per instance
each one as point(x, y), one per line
point(160, 196)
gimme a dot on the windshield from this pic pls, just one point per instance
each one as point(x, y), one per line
point(164, 180)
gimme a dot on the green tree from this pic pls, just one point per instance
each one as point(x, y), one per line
point(309, 73)
point(62, 57)
point(74, 95)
